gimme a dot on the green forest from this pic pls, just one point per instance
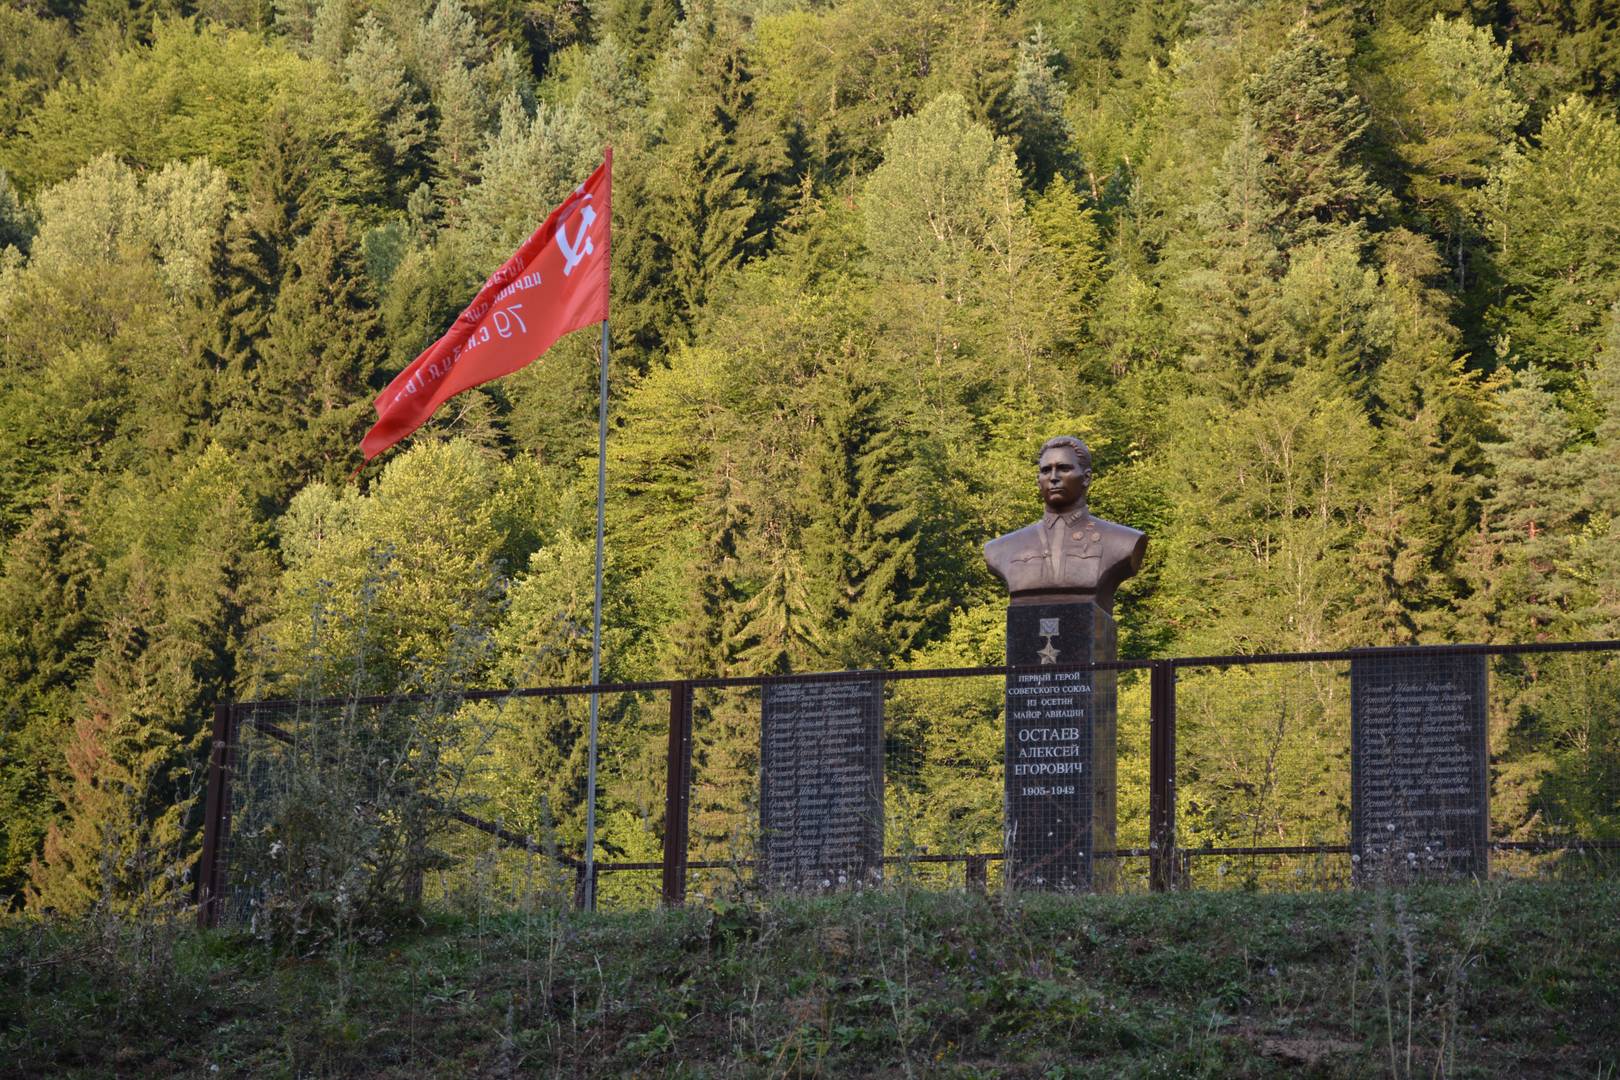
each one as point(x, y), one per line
point(1332, 290)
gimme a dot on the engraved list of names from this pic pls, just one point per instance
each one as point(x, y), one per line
point(1419, 766)
point(821, 782)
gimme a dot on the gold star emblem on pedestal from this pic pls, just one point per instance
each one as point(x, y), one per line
point(1048, 655)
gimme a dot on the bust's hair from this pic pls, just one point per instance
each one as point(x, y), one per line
point(1068, 442)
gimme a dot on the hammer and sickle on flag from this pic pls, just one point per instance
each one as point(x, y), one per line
point(554, 283)
point(573, 252)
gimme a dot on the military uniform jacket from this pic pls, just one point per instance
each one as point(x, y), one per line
point(1067, 553)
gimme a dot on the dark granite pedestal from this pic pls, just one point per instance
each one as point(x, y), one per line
point(1060, 794)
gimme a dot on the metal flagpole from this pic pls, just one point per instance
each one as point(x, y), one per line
point(596, 627)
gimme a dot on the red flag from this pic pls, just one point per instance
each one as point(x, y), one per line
point(556, 282)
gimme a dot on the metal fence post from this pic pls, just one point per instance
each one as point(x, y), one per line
point(978, 876)
point(1162, 776)
point(216, 819)
point(580, 872)
point(677, 793)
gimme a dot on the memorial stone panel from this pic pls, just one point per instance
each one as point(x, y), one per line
point(1419, 766)
point(821, 783)
point(1060, 799)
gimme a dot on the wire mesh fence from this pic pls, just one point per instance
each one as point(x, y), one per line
point(1304, 771)
point(1263, 762)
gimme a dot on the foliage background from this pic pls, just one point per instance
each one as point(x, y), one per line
point(1330, 289)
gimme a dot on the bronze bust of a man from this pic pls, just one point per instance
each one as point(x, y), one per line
point(1068, 554)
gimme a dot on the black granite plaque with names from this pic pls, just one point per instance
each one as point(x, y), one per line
point(1060, 747)
point(821, 783)
point(1419, 767)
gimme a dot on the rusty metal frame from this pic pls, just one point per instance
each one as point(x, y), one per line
point(677, 794)
point(1166, 860)
point(1162, 874)
point(216, 817)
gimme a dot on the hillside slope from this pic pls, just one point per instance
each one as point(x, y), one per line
point(1511, 978)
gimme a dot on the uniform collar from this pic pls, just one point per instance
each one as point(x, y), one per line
point(1072, 519)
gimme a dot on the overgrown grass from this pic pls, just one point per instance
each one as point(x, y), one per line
point(1515, 978)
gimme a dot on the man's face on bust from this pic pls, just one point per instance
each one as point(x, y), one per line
point(1063, 480)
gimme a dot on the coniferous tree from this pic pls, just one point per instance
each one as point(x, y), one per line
point(447, 37)
point(602, 85)
point(1309, 124)
point(646, 304)
point(306, 401)
point(643, 27)
point(1335, 314)
point(545, 639)
point(681, 515)
point(680, 476)
point(1431, 406)
point(1570, 46)
point(1087, 36)
point(715, 173)
point(123, 840)
point(46, 639)
point(37, 51)
point(1150, 32)
point(841, 76)
point(1268, 498)
point(1451, 120)
point(1599, 463)
point(331, 31)
point(458, 128)
point(1557, 229)
point(173, 607)
point(1519, 561)
point(529, 162)
point(1069, 230)
point(1041, 130)
point(776, 631)
point(1231, 295)
point(931, 208)
point(467, 80)
point(295, 20)
point(279, 208)
point(374, 72)
point(16, 224)
point(861, 545)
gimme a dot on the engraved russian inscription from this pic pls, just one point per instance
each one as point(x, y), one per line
point(1419, 766)
point(821, 782)
point(1059, 745)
